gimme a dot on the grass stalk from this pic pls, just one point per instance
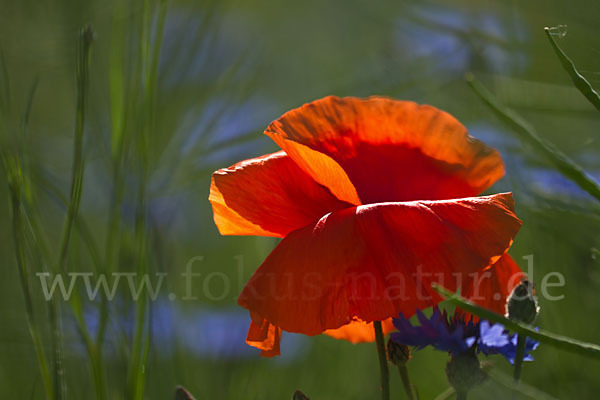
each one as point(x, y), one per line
point(82, 72)
point(149, 56)
point(560, 342)
point(578, 80)
point(19, 239)
point(527, 133)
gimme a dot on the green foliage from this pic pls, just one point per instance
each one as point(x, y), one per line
point(558, 341)
point(92, 142)
point(527, 133)
point(578, 80)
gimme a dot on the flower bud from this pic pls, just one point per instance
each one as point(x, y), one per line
point(298, 395)
point(398, 354)
point(182, 394)
point(522, 305)
point(464, 372)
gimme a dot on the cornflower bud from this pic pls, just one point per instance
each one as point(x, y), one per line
point(522, 305)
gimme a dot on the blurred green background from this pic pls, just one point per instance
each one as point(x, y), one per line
point(160, 119)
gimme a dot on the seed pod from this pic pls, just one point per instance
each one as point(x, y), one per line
point(522, 305)
point(464, 372)
point(398, 354)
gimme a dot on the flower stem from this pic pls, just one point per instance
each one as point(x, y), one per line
point(521, 340)
point(15, 189)
point(408, 388)
point(383, 366)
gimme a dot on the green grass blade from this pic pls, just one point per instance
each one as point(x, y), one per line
point(19, 191)
point(578, 80)
point(528, 134)
point(83, 64)
point(149, 55)
point(86, 39)
point(561, 342)
point(14, 173)
point(57, 352)
point(119, 106)
point(29, 105)
point(520, 387)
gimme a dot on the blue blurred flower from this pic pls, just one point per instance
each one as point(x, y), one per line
point(494, 339)
point(204, 332)
point(458, 335)
point(454, 40)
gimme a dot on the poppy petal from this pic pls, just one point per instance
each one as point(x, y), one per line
point(389, 150)
point(359, 331)
point(268, 196)
point(321, 167)
point(264, 336)
point(372, 262)
point(491, 287)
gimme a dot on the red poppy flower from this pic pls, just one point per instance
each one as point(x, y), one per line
point(373, 200)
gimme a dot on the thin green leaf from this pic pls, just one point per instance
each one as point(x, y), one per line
point(578, 80)
point(558, 341)
point(29, 105)
point(15, 178)
point(564, 164)
point(519, 387)
point(149, 56)
point(86, 38)
point(83, 65)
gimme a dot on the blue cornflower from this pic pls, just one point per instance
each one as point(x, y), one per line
point(494, 339)
point(457, 335)
point(437, 331)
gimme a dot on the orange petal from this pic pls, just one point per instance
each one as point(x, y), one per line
point(267, 196)
point(264, 336)
point(321, 167)
point(359, 331)
point(372, 262)
point(491, 287)
point(386, 150)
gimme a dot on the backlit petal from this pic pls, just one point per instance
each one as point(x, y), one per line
point(264, 336)
point(372, 262)
point(268, 196)
point(491, 287)
point(387, 150)
point(359, 331)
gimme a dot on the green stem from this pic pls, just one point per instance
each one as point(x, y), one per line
point(148, 62)
point(552, 339)
point(383, 366)
point(83, 61)
point(521, 341)
point(57, 353)
point(461, 395)
point(578, 80)
point(408, 387)
point(526, 131)
point(86, 38)
point(15, 189)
